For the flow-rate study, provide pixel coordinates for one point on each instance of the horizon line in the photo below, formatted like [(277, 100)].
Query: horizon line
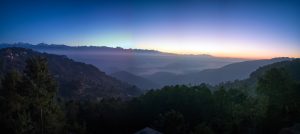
[(161, 51)]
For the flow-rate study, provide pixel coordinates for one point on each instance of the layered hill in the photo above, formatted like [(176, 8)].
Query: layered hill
[(134, 80), (76, 80), (231, 72), (292, 67)]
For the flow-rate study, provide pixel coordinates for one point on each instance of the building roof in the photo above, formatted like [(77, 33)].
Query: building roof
[(147, 130)]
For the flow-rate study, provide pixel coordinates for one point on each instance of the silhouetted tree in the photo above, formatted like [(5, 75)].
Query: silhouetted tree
[(40, 91), (14, 118)]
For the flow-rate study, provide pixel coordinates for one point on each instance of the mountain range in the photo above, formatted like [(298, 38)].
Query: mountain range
[(150, 69), (135, 61)]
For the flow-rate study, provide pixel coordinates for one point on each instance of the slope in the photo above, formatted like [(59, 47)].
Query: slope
[(134, 80), (76, 80)]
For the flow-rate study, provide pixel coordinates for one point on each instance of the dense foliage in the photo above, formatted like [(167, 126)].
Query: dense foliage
[(28, 104)]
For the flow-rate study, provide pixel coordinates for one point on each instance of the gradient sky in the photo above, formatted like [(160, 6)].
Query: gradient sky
[(228, 28)]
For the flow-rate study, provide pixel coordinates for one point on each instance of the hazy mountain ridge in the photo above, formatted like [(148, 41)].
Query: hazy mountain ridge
[(291, 66), (76, 80), (231, 72), (135, 61), (53, 47)]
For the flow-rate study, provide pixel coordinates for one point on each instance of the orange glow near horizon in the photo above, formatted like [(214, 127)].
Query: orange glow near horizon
[(221, 46), (243, 55), (229, 54)]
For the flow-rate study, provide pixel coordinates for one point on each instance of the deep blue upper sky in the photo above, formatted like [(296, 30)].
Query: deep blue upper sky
[(219, 27)]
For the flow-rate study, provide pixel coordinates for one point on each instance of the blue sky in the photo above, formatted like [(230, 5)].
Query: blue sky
[(231, 28)]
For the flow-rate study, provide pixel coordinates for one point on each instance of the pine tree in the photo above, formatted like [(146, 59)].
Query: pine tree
[(40, 90), (14, 118)]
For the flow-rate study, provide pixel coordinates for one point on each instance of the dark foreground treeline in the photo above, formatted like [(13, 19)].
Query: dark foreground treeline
[(28, 104)]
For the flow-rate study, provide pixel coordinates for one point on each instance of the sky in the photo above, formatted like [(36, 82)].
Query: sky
[(225, 28)]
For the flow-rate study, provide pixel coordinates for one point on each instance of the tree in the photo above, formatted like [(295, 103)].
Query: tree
[(14, 118), (40, 90), (283, 96)]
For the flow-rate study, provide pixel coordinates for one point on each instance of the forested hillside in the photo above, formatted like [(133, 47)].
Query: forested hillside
[(76, 80), (29, 104)]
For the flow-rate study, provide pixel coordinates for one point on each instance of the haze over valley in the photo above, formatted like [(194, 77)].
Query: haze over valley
[(154, 69)]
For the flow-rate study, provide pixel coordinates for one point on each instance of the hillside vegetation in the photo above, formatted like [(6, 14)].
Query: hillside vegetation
[(29, 104)]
